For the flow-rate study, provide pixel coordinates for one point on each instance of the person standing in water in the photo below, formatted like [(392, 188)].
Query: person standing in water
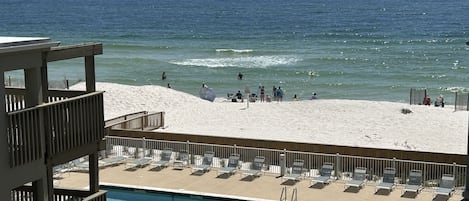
[(240, 76), (163, 76)]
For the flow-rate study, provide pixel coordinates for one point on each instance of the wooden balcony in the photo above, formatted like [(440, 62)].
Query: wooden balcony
[(57, 127), (25, 193)]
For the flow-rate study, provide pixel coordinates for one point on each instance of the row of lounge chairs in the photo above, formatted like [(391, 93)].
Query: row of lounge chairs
[(414, 184), (326, 173)]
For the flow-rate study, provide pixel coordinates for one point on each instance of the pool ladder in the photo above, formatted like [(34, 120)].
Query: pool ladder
[(283, 195)]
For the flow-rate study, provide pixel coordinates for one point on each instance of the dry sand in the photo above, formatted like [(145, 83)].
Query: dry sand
[(361, 123)]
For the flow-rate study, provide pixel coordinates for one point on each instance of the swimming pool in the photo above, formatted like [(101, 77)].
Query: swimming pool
[(123, 193)]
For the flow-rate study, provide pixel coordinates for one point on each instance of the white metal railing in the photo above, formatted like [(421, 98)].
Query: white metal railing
[(294, 195), (283, 194), (343, 164)]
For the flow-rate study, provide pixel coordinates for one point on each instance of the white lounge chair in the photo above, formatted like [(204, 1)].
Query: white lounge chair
[(80, 165), (296, 171), (446, 186), (139, 162), (182, 160), (231, 167), (256, 167), (358, 178), (388, 180), (206, 162), (111, 161), (165, 159), (415, 182), (325, 174)]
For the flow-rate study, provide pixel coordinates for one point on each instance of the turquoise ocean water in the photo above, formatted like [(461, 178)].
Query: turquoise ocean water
[(363, 49)]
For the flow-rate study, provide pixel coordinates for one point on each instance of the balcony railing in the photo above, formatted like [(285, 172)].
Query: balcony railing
[(14, 97), (25, 193), (67, 124)]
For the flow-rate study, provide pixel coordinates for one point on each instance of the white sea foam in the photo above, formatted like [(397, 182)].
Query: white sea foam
[(234, 50), (243, 62)]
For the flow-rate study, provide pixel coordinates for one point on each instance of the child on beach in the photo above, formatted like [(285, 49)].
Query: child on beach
[(427, 100)]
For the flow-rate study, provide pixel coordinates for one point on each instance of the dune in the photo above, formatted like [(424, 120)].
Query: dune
[(360, 123)]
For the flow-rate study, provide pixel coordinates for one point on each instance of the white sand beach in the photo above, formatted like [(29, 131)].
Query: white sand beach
[(340, 122)]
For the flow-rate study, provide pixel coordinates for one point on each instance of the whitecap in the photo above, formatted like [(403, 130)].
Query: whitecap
[(243, 62), (235, 50)]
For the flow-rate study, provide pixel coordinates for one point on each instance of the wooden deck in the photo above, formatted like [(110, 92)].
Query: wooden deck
[(264, 187)]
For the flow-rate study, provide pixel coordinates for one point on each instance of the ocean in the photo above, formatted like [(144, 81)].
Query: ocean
[(339, 49)]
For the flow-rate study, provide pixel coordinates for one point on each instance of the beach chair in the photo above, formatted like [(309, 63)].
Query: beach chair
[(296, 170), (358, 178), (166, 155), (325, 174), (387, 183), (182, 160), (256, 167), (415, 182), (111, 161), (206, 162), (78, 165), (139, 162), (446, 186), (231, 167)]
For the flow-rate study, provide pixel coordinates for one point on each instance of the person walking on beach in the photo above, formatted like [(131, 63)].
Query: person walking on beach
[(279, 94), (274, 92), (262, 93), (163, 76), (169, 85)]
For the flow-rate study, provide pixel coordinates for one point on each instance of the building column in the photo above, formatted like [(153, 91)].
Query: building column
[(5, 189), (90, 74), (93, 172), (41, 191), (33, 86), (44, 79)]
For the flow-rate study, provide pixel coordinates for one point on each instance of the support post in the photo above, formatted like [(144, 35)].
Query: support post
[(93, 172), (90, 74)]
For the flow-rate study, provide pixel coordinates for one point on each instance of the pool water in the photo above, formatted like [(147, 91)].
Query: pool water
[(131, 194)]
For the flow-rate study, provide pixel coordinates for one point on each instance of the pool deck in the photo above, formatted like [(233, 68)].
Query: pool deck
[(266, 186)]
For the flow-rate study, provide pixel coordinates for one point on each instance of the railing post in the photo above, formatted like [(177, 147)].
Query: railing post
[(234, 149), (283, 162), (337, 166), (144, 147), (191, 159), (394, 162)]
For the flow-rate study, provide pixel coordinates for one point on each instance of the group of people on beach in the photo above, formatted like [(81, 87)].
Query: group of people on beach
[(439, 102), (277, 92)]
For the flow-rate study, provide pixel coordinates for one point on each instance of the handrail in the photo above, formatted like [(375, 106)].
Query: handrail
[(283, 194), (22, 192), (145, 121), (294, 195), (45, 105), (343, 163), (98, 196), (123, 116)]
